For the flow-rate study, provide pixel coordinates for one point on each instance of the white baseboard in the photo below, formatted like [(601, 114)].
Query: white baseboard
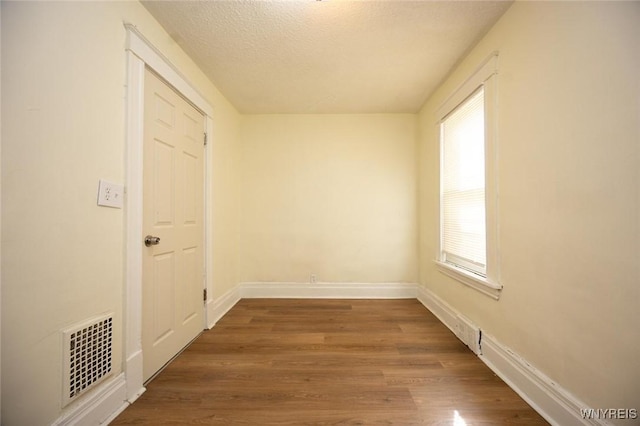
[(549, 399), (438, 307), (134, 376), (99, 407), (458, 324), (252, 290), (217, 308), (554, 403)]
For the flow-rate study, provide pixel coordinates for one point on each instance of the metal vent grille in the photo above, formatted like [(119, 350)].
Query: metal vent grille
[(87, 357)]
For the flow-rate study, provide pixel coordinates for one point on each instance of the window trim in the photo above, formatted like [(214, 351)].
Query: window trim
[(484, 75), (470, 279)]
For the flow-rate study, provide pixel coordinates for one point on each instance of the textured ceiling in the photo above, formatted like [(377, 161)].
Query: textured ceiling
[(326, 56)]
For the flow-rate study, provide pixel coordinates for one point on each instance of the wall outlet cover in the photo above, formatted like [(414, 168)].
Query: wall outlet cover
[(110, 194)]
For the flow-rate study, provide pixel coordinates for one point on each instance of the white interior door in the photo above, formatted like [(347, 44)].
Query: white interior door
[(173, 211)]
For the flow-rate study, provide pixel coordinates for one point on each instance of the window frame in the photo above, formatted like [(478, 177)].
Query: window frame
[(485, 76)]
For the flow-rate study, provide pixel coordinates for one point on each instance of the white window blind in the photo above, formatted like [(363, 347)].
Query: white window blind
[(463, 186)]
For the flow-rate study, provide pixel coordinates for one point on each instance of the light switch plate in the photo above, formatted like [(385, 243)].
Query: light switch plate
[(110, 194)]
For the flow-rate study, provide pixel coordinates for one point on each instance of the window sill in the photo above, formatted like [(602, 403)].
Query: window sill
[(474, 281)]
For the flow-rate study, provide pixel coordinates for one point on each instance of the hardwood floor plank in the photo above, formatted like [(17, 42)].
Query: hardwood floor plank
[(328, 362)]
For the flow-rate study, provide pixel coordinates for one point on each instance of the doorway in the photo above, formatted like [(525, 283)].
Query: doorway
[(141, 54), (173, 216)]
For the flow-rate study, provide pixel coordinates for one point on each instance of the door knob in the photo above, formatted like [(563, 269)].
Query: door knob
[(150, 240)]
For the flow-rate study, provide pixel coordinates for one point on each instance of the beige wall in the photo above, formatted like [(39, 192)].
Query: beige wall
[(63, 127), (330, 195), (568, 171)]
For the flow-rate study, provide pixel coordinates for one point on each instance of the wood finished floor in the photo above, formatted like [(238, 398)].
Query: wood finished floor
[(328, 362)]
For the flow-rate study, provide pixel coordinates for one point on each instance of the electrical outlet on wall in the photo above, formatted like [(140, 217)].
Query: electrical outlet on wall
[(110, 194), (312, 278)]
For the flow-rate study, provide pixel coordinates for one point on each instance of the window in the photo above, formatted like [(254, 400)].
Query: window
[(462, 192), (468, 249)]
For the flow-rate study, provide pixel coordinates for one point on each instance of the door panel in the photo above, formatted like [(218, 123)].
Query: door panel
[(173, 197), (193, 301), (163, 296), (163, 185), (189, 190)]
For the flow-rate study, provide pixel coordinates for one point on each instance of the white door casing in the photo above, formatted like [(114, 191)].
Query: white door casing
[(141, 54)]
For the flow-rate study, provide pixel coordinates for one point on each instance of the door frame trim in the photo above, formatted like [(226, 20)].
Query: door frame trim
[(141, 53)]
